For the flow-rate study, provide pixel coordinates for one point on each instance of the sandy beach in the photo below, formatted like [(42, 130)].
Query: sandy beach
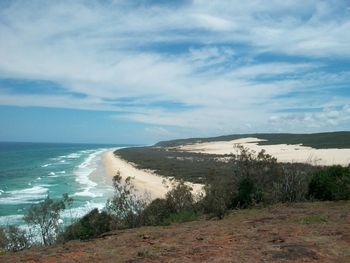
[(294, 153), (146, 182)]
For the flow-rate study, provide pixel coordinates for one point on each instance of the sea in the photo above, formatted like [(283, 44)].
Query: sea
[(29, 172)]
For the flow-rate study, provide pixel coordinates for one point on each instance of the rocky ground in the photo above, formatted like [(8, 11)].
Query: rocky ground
[(305, 232)]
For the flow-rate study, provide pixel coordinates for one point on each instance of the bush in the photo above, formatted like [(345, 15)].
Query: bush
[(252, 177), (3, 239), (247, 194), (332, 183), (218, 195), (155, 212), (180, 198), (89, 226), (314, 219), (291, 186), (12, 238), (184, 216), (177, 201)]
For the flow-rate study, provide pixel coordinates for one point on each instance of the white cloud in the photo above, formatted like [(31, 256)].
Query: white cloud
[(112, 51), (327, 119), (158, 131)]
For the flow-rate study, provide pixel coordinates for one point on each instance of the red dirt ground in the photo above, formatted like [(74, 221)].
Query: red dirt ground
[(305, 232)]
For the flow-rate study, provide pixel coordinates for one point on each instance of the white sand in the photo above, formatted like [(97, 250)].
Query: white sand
[(144, 181), (283, 152)]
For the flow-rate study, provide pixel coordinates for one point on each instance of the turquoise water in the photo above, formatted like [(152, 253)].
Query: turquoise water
[(31, 171)]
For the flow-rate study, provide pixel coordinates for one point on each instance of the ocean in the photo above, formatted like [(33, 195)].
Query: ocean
[(29, 172)]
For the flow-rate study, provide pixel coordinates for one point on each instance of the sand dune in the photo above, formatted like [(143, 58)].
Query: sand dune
[(145, 182), (283, 152)]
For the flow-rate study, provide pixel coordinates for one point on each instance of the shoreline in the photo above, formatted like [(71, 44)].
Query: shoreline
[(146, 183)]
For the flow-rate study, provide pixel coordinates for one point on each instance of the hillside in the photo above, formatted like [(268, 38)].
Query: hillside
[(339, 140), (303, 232)]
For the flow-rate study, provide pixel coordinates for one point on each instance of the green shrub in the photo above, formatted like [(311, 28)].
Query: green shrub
[(247, 193), (180, 198), (218, 195), (314, 219), (155, 212), (89, 226), (332, 183), (184, 216)]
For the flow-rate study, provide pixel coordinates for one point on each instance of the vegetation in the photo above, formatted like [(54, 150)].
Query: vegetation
[(332, 183), (290, 186), (178, 206), (192, 167), (12, 238), (314, 219), (45, 216), (89, 226), (315, 140), (184, 216), (126, 206)]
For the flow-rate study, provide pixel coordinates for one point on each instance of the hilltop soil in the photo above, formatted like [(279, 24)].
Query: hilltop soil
[(304, 232)]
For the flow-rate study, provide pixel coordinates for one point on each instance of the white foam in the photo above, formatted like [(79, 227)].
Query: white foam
[(11, 220), (78, 212), (83, 172), (87, 193), (24, 196), (33, 190), (51, 173), (73, 156), (46, 165)]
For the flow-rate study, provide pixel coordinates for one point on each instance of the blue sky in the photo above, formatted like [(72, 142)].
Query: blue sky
[(143, 71)]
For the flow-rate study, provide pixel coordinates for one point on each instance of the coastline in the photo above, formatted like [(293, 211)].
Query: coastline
[(146, 183)]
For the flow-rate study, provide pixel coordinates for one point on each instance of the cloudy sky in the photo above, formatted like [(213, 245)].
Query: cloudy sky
[(142, 71)]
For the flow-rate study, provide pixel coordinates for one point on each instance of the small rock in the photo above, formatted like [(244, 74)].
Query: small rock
[(278, 240), (146, 237)]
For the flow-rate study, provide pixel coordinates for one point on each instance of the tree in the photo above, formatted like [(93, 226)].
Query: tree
[(126, 206), (180, 198), (45, 215), (68, 202)]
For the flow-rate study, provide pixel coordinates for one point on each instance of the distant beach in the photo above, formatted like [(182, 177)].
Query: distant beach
[(146, 182)]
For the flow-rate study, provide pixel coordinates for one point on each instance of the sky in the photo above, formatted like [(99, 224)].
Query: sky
[(143, 71)]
